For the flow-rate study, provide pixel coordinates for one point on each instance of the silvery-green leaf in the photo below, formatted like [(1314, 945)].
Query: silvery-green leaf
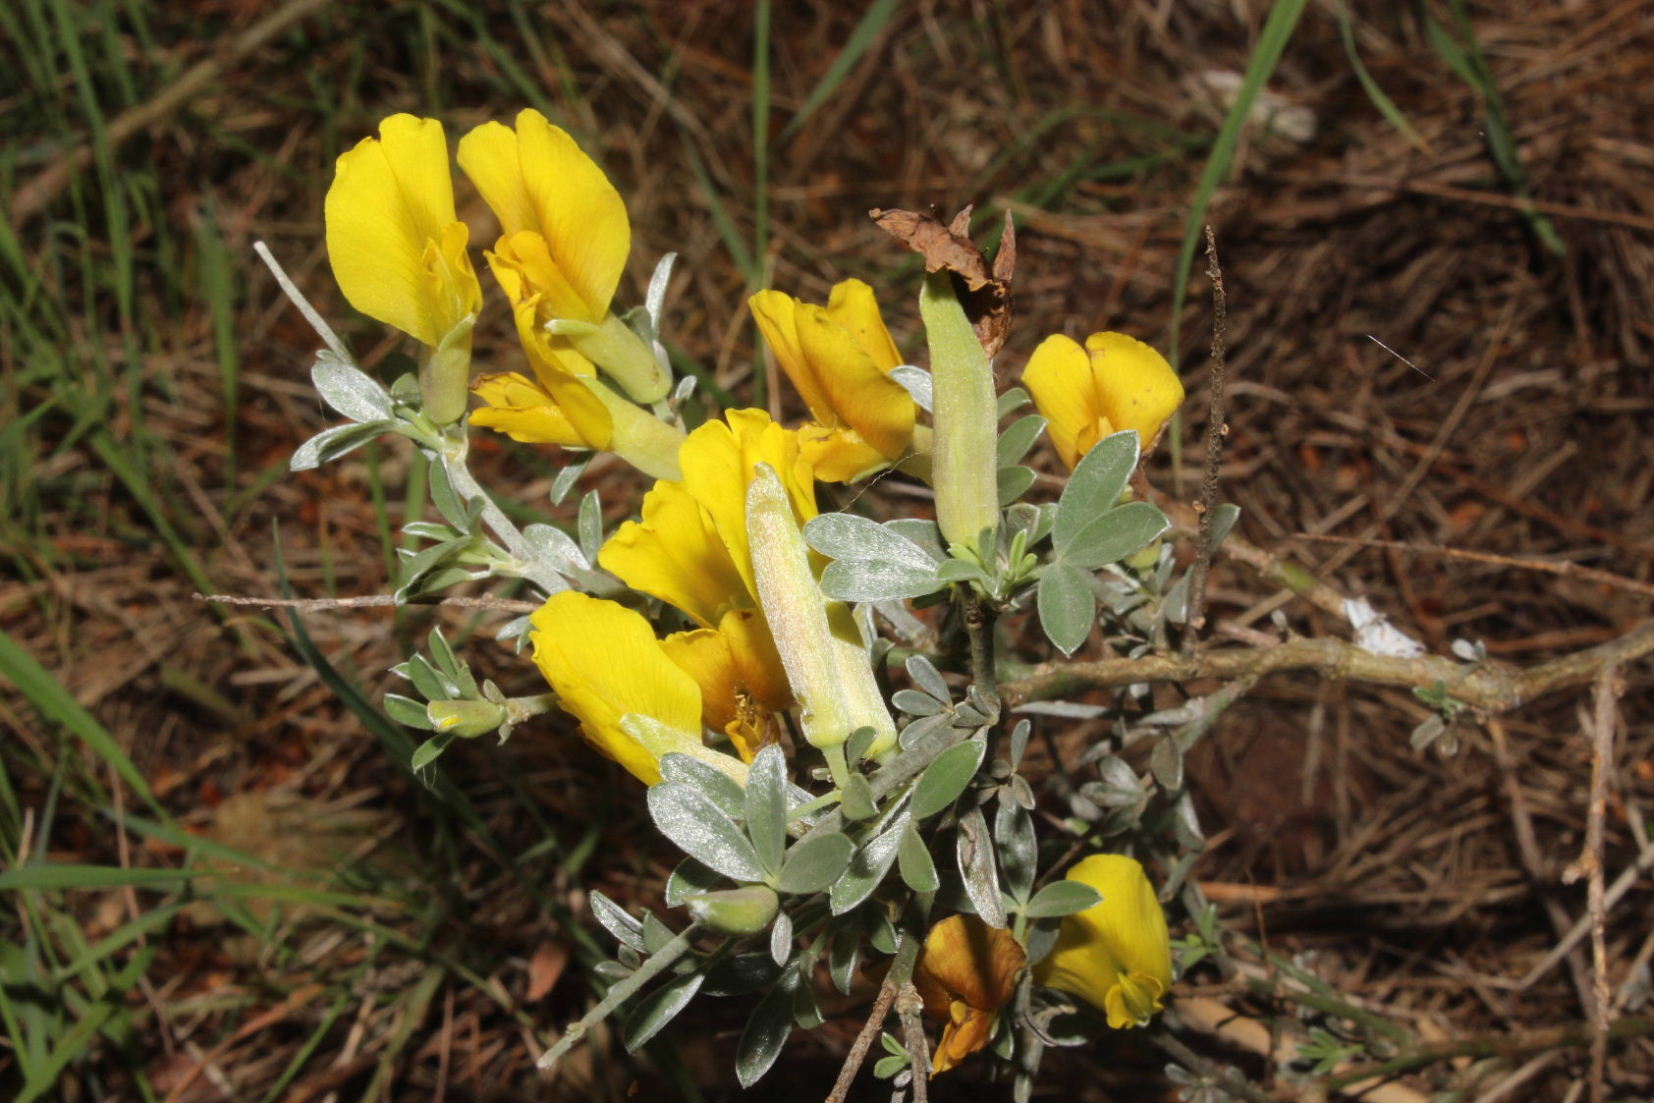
[(917, 382), (446, 501), (847, 536), (556, 548), (429, 751), (428, 680), (855, 748), (330, 444), (886, 1067), (658, 1008), (716, 785), (1095, 486), (1067, 607), (1015, 441), (654, 300), (945, 778), (656, 934), (703, 831), (349, 390), (430, 531), (924, 534), (975, 854), (1166, 763), (615, 920), (1186, 825), (1175, 605), (415, 567), (448, 663), (927, 677), (877, 580), (1062, 898), (1014, 838), (914, 703), (923, 727), (1019, 742), (567, 477), (1115, 535), (914, 862), (806, 1012), (590, 525), (405, 710), (1013, 483), (815, 863), (766, 1031), (781, 938), (690, 878), (843, 953), (1014, 399), (960, 570), (766, 807), (867, 869), (881, 933), (1223, 519)]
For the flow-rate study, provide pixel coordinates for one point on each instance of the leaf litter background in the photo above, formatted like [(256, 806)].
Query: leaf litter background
[(413, 943)]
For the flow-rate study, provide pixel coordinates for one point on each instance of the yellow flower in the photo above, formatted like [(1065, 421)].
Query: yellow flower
[(1113, 384), (676, 555), (839, 357), (398, 250), (719, 462), (608, 669), (743, 685), (968, 971), (565, 237), (1116, 955)]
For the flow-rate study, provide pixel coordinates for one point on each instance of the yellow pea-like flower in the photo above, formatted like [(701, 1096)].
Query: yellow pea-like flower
[(967, 972), (398, 250), (1115, 955), (743, 684), (1113, 384), (564, 237), (839, 357), (675, 554), (606, 665)]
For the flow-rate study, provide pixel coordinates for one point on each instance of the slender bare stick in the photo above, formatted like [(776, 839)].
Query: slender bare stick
[(1215, 429), (864, 1041), (908, 1005), (1589, 865), (369, 601)]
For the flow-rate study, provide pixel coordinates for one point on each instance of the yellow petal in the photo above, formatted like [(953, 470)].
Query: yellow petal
[(853, 306), (740, 675), (604, 662), (1116, 955), (718, 461), (523, 411), (858, 391), (674, 554), (1058, 376), (1136, 387), (838, 455), (838, 363), (527, 254), (396, 248), (537, 179)]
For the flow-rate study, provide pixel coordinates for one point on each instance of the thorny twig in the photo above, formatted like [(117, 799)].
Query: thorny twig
[(1215, 429)]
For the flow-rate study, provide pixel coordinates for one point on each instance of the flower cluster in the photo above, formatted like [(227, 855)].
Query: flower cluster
[(775, 650)]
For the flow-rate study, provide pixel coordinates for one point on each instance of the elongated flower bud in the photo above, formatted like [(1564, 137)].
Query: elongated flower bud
[(966, 413), (819, 643)]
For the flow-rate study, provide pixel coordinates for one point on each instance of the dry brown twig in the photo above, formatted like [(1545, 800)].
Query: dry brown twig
[(370, 601), (1215, 430)]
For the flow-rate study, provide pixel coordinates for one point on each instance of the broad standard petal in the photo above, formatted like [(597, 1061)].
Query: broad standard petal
[(396, 248), (1136, 387), (1116, 955), (1058, 376), (604, 662)]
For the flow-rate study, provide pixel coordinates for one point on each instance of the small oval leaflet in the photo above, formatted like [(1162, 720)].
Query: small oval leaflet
[(1062, 898), (944, 779)]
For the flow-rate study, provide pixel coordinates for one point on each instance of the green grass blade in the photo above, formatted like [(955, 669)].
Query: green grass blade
[(91, 1021), (60, 877), (866, 33), (1277, 32), (1386, 106), (58, 706)]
